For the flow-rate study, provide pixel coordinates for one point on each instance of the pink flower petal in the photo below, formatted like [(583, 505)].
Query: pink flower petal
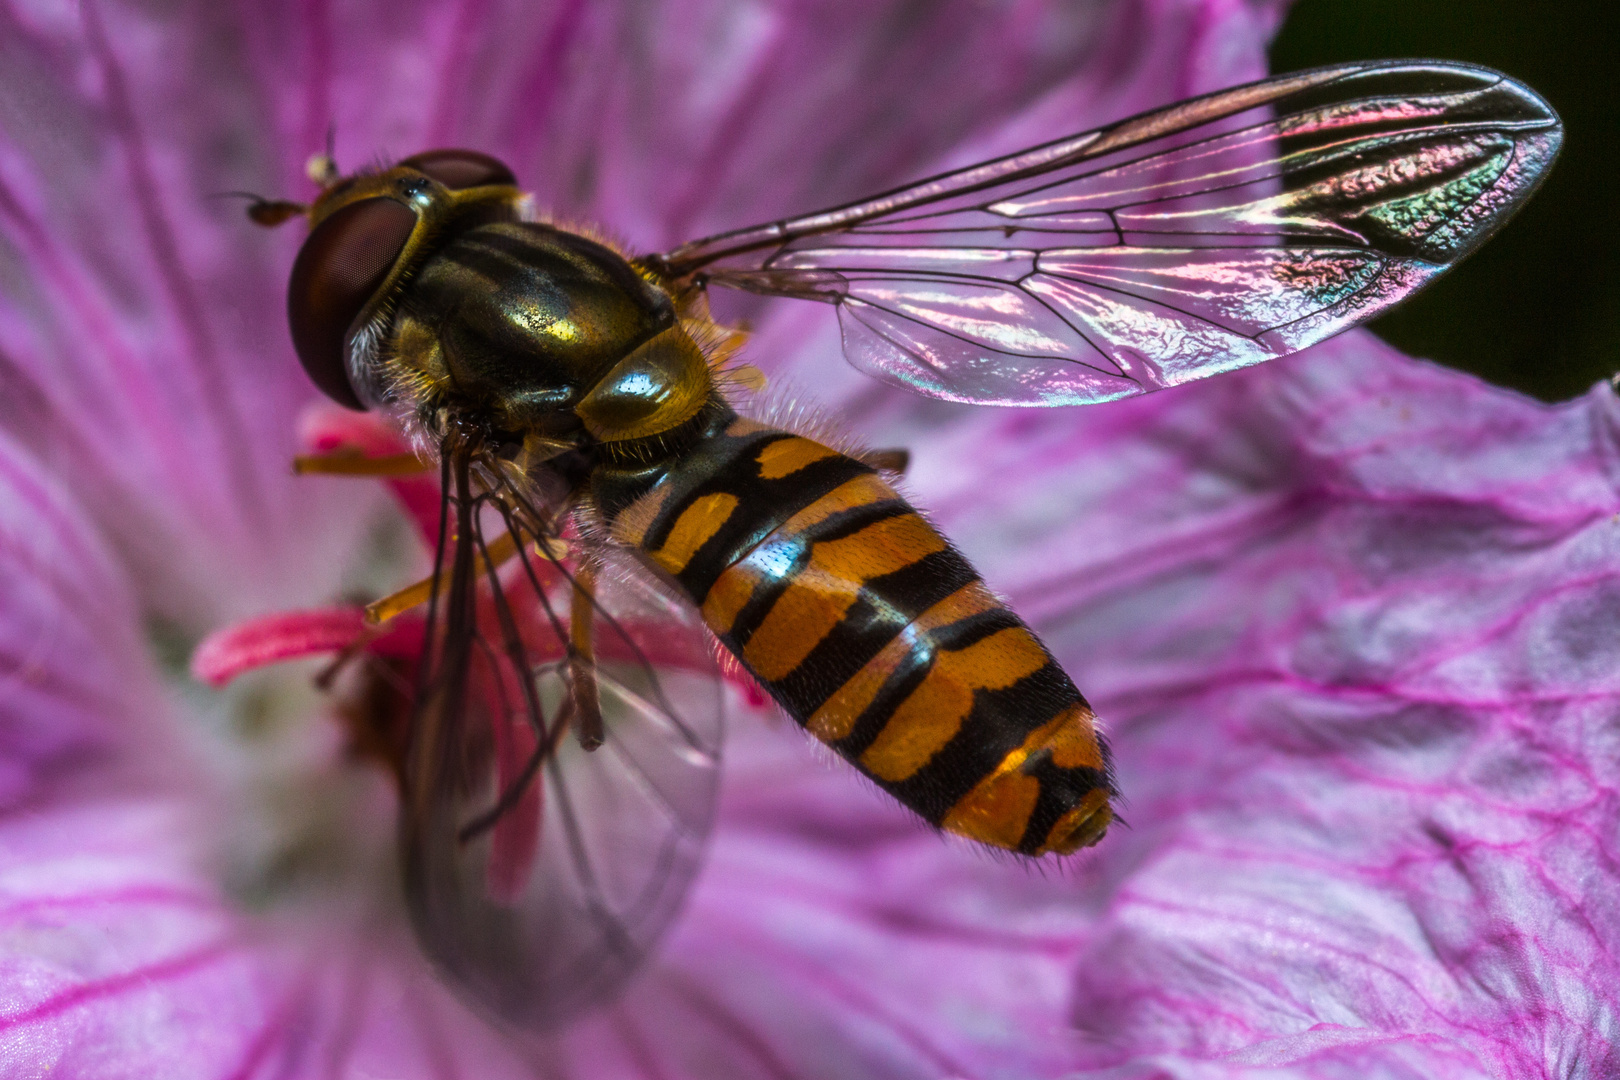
[(1348, 616), (71, 665)]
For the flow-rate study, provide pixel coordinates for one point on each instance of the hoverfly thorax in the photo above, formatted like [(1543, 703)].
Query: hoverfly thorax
[(542, 334), (422, 285)]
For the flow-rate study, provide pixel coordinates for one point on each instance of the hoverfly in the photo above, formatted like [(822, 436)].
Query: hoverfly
[(606, 513)]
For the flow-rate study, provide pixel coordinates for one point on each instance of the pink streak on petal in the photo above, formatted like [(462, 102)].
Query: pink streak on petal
[(126, 897), (268, 1037), (718, 153), (863, 1001), (734, 1028), (636, 1045), (230, 652), (126, 412), (201, 349), (74, 685), (140, 978), (124, 380), (546, 79), (453, 74)]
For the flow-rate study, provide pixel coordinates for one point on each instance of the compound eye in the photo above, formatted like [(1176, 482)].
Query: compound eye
[(338, 270), (461, 169)]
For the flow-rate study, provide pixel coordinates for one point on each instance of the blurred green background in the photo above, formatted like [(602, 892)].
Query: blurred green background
[(1538, 308)]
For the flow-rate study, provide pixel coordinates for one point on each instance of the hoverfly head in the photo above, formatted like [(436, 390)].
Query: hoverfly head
[(367, 231)]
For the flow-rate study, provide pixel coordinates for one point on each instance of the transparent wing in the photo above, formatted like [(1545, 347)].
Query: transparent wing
[(1210, 235), (539, 873)]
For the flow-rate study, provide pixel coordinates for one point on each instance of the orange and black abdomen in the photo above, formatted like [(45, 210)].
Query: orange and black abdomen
[(875, 634)]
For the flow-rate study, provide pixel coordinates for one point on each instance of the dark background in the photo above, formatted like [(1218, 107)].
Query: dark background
[(1537, 308)]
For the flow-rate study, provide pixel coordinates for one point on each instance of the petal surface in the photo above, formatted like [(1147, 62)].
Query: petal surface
[(1348, 620), (1348, 616)]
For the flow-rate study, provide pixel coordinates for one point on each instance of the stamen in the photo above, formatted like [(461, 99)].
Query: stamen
[(501, 549), (350, 462)]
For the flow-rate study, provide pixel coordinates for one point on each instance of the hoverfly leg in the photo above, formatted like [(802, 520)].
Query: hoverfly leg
[(893, 459), (582, 659)]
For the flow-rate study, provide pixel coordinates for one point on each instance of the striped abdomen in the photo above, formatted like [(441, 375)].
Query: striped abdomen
[(877, 636)]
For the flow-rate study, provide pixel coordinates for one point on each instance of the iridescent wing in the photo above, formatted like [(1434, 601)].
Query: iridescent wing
[(539, 873), (1209, 235)]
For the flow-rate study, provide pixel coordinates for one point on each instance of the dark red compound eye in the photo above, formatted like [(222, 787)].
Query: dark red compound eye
[(339, 269), (461, 169)]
